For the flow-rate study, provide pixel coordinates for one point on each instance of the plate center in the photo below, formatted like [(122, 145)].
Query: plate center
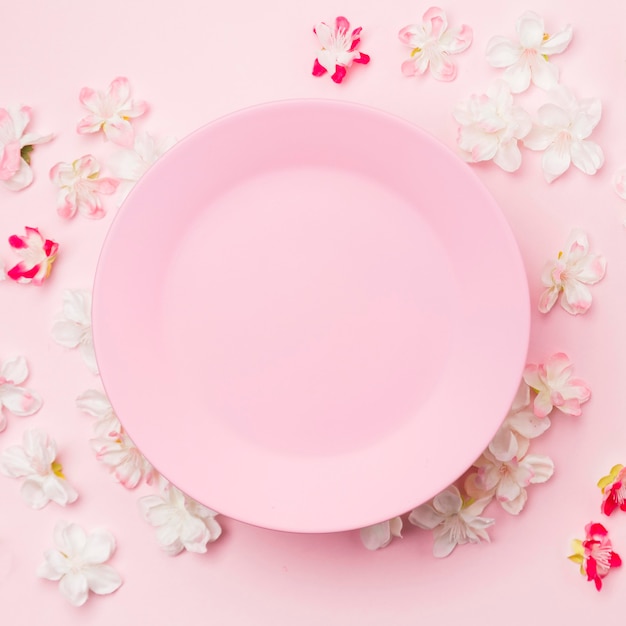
[(310, 309)]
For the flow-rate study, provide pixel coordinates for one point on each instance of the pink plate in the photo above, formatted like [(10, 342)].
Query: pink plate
[(310, 316)]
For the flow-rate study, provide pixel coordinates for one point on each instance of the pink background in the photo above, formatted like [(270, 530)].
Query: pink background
[(194, 62)]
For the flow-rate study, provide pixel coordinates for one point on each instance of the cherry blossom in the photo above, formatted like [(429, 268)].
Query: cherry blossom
[(14, 398), (595, 554), (130, 165), (491, 126), (121, 455), (562, 133), (507, 480), (613, 489), (111, 112), (80, 187), (619, 183), (519, 425), (79, 562), (452, 520), (35, 462), (570, 274), (181, 523), (339, 49), (96, 404), (528, 58), (38, 254), (432, 44), (380, 535), (75, 330), (555, 387), (16, 146)]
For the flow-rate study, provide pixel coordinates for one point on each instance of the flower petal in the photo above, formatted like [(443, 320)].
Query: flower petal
[(587, 156), (75, 588), (102, 579), (501, 52), (20, 401), (15, 370), (555, 161)]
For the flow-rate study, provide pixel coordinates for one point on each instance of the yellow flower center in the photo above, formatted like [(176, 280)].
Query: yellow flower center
[(57, 469), (415, 51)]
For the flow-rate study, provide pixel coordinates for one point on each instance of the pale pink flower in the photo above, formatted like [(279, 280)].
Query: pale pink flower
[(130, 165), (35, 462), (339, 49), (519, 425), (527, 59), (380, 535), (490, 127), (507, 480), (570, 274), (619, 183), (432, 43), (80, 187), (38, 255), (452, 520), (79, 563), (555, 386), (181, 523), (14, 398), (75, 330), (111, 112), (123, 458), (96, 404), (16, 146), (562, 134)]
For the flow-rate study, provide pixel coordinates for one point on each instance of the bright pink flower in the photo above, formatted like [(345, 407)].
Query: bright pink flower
[(432, 43), (111, 112), (339, 49), (37, 254), (555, 386), (613, 489), (80, 187), (15, 147), (595, 554)]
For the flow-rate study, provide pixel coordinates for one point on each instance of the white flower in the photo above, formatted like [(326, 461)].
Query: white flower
[(453, 521), (79, 563), (123, 458), (380, 535), (111, 112), (14, 398), (555, 386), (527, 59), (16, 146), (181, 523), (35, 462), (130, 165), (432, 43), (507, 480), (96, 404), (491, 126), (562, 133), (570, 274), (75, 330), (519, 425)]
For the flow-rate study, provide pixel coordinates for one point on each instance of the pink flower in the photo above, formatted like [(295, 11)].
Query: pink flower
[(570, 274), (111, 112), (16, 146), (339, 49), (490, 127), (123, 458), (613, 489), (595, 554), (562, 133), (527, 59), (80, 187), (38, 255), (507, 480), (432, 44), (555, 386)]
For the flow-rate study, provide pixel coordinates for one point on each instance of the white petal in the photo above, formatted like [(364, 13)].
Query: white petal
[(444, 544), (555, 162), (527, 424), (425, 517), (99, 547), (539, 138), (21, 179), (502, 52), (518, 76), (508, 156), (15, 463), (544, 74), (94, 403), (102, 579), (515, 507), (587, 156), (67, 333), (75, 588), (15, 370), (324, 34), (448, 502), (542, 467), (33, 494), (504, 444), (77, 306), (53, 567), (69, 538), (89, 355), (530, 28), (20, 401), (376, 536), (576, 297), (557, 43)]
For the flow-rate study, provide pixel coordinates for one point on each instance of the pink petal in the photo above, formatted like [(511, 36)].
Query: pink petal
[(457, 40), (408, 34), (89, 124), (342, 24), (21, 179), (548, 299), (441, 67), (576, 297), (340, 72), (318, 70), (119, 90), (438, 21), (362, 58), (120, 132)]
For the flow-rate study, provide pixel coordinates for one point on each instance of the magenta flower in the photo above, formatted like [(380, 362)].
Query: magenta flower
[(595, 554), (37, 254), (613, 489), (339, 49)]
